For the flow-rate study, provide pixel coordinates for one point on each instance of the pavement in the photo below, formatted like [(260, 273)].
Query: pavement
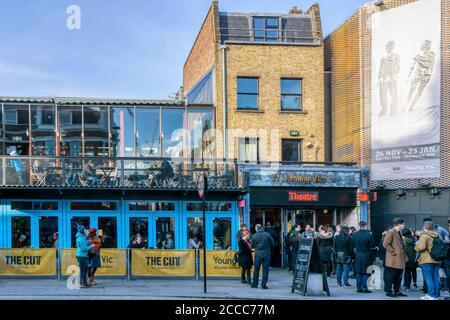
[(279, 284)]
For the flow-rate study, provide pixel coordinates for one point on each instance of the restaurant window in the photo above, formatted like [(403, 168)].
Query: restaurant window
[(173, 123), (108, 227), (210, 206), (201, 139), (107, 206), (151, 206), (248, 149), (139, 229), (265, 29), (17, 129), (222, 233), (165, 233), (195, 239), (70, 130), (147, 132), (291, 94), (122, 132), (291, 150), (48, 232), (21, 232), (247, 93), (43, 124), (96, 133), (34, 205)]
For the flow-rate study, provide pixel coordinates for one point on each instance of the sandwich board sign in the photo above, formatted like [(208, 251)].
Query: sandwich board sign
[(307, 261)]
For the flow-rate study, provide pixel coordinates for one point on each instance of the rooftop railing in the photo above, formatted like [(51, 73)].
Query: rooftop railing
[(99, 172)]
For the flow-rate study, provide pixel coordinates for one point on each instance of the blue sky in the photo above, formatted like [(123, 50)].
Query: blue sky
[(125, 48)]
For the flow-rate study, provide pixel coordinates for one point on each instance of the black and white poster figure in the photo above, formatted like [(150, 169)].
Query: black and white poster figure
[(387, 80), (420, 74)]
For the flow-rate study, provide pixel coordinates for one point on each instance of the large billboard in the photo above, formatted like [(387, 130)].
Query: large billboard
[(406, 73)]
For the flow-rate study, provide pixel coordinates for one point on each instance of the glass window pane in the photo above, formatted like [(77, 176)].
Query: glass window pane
[(290, 86), (48, 232), (151, 206), (138, 232), (291, 150), (17, 129), (260, 34), (108, 227), (272, 34), (74, 223), (222, 233), (210, 206), (43, 124), (272, 22), (247, 149), (259, 23), (93, 205), (96, 131), (200, 138), (290, 102), (122, 132), (247, 101), (36, 205), (173, 123), (21, 232), (147, 132), (165, 233), (247, 85), (195, 233), (70, 130)]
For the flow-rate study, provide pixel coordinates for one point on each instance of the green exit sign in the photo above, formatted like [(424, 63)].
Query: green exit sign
[(294, 133)]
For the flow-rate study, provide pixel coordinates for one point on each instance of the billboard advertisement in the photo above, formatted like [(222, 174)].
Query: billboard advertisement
[(406, 73)]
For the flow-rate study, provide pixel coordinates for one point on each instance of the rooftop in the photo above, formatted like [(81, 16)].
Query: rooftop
[(92, 101)]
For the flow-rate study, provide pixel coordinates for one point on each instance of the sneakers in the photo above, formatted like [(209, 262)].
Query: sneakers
[(427, 297), (92, 282), (399, 294)]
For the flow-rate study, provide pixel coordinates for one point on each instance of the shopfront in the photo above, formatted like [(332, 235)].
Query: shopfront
[(287, 195)]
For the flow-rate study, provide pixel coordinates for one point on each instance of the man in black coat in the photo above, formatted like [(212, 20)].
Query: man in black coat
[(363, 244), (263, 243)]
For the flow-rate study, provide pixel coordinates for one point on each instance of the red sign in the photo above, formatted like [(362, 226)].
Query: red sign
[(303, 196), (363, 196), (242, 203)]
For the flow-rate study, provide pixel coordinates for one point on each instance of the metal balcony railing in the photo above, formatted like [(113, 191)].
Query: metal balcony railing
[(102, 172)]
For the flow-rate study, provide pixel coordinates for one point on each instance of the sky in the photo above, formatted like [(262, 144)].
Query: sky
[(122, 48)]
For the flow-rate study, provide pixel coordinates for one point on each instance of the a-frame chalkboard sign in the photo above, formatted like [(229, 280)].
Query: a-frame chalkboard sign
[(308, 260)]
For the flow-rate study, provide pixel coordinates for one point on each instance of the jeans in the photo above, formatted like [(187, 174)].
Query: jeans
[(361, 281), (83, 263), (447, 273), (339, 267), (392, 276), (265, 262), (430, 273), (410, 276)]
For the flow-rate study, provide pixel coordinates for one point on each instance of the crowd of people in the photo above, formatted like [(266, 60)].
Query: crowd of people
[(344, 249)]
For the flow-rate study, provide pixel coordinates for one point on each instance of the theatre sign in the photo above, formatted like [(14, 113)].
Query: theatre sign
[(308, 177)]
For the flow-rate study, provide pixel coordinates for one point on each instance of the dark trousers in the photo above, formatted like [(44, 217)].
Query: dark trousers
[(361, 281), (410, 276), (265, 262), (293, 260), (245, 272), (83, 264), (91, 272), (392, 277)]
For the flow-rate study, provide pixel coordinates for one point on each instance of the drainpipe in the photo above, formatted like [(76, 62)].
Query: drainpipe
[(223, 47)]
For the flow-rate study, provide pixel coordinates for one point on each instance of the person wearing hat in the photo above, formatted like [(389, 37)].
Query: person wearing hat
[(362, 243), (245, 256), (83, 248), (93, 255)]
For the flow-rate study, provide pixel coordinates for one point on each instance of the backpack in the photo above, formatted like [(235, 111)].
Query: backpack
[(439, 250)]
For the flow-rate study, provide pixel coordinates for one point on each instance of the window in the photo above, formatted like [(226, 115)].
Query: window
[(43, 139), (265, 29), (173, 121), (200, 138), (291, 150), (95, 131), (210, 206), (17, 130), (222, 233), (21, 232), (291, 94), (147, 132), (151, 206), (247, 93), (195, 233), (108, 225), (93, 206), (139, 231), (34, 205), (48, 232), (70, 129), (248, 149), (165, 233), (122, 132)]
